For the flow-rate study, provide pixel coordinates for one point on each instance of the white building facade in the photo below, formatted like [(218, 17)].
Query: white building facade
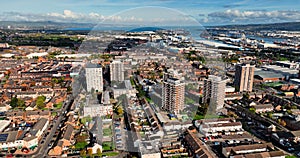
[(117, 71), (94, 77)]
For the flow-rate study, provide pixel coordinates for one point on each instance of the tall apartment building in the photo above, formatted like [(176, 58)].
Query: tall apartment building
[(244, 74), (173, 95), (116, 71), (94, 77), (214, 92)]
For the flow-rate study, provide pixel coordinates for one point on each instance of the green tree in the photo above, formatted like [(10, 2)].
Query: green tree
[(69, 89), (21, 103), (54, 80), (82, 153), (252, 110), (294, 107), (81, 145), (270, 115), (60, 80), (14, 102), (99, 152), (246, 95), (40, 102), (120, 110)]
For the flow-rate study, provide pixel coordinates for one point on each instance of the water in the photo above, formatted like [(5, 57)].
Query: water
[(195, 31)]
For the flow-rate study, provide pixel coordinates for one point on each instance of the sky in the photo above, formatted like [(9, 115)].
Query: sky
[(205, 12)]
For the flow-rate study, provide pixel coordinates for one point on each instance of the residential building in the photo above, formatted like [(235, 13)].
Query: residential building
[(244, 75), (195, 146), (95, 148), (124, 88), (117, 71), (247, 149), (4, 124), (173, 95), (93, 108), (214, 92), (94, 77), (213, 127)]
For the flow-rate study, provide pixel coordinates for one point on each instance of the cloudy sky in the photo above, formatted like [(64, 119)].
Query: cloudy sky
[(213, 12)]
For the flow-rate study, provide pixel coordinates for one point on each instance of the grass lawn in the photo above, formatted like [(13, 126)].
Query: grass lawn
[(107, 132), (58, 106), (107, 146), (53, 113), (272, 84), (111, 154)]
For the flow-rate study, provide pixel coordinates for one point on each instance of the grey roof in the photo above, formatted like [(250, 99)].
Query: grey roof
[(8, 136), (268, 74), (90, 65), (40, 124), (29, 138), (68, 132)]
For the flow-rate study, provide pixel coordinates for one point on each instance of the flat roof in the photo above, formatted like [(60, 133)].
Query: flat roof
[(90, 65), (268, 74)]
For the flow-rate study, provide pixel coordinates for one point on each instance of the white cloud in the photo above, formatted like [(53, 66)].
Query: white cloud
[(139, 16), (259, 16), (66, 16)]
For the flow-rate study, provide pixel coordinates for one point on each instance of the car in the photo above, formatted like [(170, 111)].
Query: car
[(298, 154), (291, 149), (104, 156), (119, 147), (42, 142), (216, 143)]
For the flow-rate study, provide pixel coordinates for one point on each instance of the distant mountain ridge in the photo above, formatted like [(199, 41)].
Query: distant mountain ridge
[(48, 25), (42, 25)]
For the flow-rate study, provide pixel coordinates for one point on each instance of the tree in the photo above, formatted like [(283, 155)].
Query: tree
[(246, 95), (82, 153), (120, 110), (270, 115), (90, 152), (21, 103), (69, 89), (99, 152), (252, 110), (294, 107), (55, 80), (283, 123), (81, 145), (14, 102), (40, 102), (60, 80)]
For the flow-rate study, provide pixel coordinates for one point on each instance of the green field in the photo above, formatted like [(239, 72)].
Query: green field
[(107, 146), (107, 132), (272, 84)]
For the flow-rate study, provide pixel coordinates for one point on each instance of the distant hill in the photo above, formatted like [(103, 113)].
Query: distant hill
[(50, 25), (287, 26), (47, 25)]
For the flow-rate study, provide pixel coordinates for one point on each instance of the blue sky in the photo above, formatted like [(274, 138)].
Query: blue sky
[(216, 12)]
